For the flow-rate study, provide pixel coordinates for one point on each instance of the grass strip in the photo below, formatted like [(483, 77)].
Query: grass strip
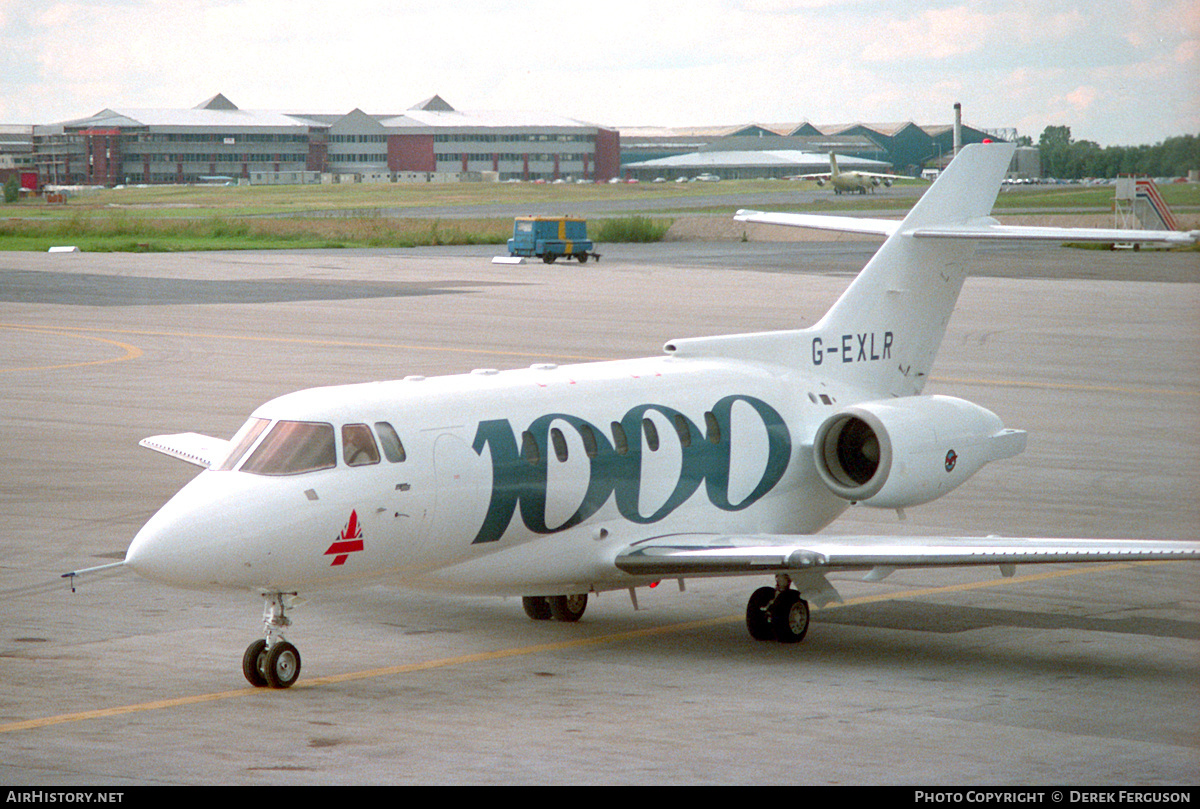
[(116, 232)]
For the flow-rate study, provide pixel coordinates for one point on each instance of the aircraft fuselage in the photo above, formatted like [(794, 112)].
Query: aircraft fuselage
[(573, 462), (853, 182)]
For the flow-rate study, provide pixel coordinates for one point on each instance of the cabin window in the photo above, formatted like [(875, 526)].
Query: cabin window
[(651, 434), (590, 446), (242, 440), (681, 427), (712, 428), (292, 448), (358, 445), (393, 449), (560, 444), (529, 449), (620, 442)]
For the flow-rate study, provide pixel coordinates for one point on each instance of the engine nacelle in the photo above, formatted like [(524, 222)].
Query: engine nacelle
[(893, 453)]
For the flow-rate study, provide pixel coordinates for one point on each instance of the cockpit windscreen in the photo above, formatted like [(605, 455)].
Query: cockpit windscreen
[(294, 447)]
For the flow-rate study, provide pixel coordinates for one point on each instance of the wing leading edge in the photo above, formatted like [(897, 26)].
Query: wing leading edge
[(699, 555)]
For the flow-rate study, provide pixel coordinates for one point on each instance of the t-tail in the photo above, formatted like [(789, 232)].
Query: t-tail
[(882, 335), (884, 332)]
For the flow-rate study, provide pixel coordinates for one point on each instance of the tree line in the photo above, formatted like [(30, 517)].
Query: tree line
[(1068, 159)]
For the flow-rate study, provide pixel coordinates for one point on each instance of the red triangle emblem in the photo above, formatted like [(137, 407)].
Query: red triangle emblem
[(348, 542)]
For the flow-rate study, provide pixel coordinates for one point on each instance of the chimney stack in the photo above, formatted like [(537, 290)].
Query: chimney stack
[(957, 127)]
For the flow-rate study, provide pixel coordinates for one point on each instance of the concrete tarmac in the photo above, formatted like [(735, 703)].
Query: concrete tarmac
[(1060, 675)]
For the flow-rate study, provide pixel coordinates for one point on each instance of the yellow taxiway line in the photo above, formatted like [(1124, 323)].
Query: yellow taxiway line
[(519, 651), (131, 352)]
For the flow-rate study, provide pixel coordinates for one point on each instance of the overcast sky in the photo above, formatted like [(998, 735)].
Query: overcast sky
[(1119, 72)]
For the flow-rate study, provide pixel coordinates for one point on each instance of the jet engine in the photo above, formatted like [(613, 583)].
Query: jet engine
[(887, 181), (893, 453)]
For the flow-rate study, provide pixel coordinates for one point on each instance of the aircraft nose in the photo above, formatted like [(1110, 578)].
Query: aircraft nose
[(201, 538), (166, 548)]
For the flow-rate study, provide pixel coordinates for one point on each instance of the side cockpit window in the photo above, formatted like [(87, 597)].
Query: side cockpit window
[(358, 445), (393, 449), (242, 440), (294, 447)]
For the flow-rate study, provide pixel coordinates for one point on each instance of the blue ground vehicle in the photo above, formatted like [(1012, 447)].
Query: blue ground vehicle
[(549, 237)]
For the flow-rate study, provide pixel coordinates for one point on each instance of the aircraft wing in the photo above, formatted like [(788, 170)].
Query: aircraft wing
[(885, 176), (201, 450), (844, 224), (699, 555)]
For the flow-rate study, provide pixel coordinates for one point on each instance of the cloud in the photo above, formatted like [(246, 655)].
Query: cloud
[(625, 63), (1082, 98)]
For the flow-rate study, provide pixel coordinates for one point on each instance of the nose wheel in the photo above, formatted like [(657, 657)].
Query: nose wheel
[(272, 661)]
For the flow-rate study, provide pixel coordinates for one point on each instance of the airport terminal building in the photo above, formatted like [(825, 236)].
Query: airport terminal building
[(216, 141)]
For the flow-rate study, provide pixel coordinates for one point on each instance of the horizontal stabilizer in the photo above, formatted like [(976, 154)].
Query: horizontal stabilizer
[(992, 230), (985, 229), (201, 450), (844, 224)]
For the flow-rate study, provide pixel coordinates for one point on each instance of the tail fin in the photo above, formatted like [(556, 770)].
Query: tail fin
[(884, 332), (833, 167), (881, 336)]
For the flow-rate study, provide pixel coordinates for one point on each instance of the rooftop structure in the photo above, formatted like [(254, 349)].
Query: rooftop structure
[(903, 145)]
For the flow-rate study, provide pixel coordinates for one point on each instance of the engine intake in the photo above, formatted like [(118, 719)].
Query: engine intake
[(893, 453)]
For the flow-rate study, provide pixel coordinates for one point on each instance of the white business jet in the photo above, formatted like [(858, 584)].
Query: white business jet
[(722, 457)]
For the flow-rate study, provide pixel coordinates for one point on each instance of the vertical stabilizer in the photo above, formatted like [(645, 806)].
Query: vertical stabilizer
[(883, 333), (881, 336)]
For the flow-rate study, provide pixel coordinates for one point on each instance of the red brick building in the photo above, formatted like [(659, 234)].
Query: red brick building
[(217, 141)]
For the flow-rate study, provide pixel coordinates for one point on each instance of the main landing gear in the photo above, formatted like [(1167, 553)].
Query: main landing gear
[(560, 608), (777, 613), (273, 661)]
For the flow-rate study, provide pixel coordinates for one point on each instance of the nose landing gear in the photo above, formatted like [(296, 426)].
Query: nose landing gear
[(273, 661)]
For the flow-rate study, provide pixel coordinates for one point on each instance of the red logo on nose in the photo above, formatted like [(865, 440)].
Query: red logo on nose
[(348, 542)]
